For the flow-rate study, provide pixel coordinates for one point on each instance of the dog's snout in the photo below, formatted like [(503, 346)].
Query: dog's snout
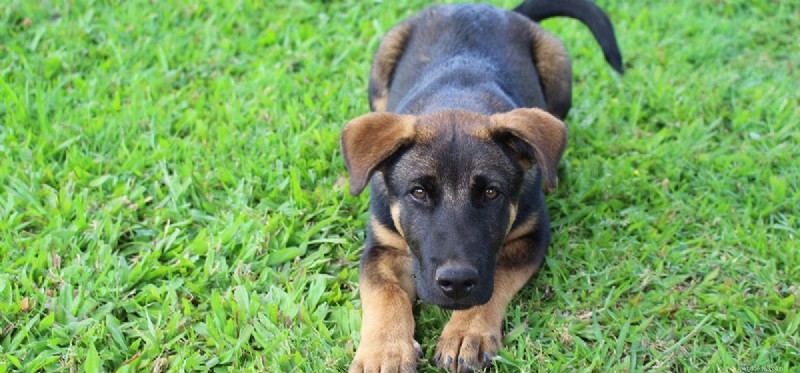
[(456, 282)]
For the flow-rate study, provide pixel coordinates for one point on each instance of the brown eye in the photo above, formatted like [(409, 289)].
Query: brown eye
[(419, 194), (491, 193)]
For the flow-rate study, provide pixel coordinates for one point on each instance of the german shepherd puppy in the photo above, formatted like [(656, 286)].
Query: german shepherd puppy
[(465, 134)]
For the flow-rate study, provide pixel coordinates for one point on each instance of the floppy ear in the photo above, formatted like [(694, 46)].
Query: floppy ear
[(369, 139), (543, 133)]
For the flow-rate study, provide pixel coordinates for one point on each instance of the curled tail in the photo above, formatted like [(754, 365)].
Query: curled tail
[(585, 11)]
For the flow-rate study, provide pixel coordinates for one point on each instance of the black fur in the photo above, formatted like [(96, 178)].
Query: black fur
[(585, 11)]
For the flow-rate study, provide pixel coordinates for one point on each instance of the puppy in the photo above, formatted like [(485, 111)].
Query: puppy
[(465, 134)]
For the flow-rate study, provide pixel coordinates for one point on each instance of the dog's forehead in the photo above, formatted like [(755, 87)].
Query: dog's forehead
[(452, 123), (454, 145)]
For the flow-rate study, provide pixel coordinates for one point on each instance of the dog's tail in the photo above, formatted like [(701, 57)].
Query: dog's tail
[(585, 11)]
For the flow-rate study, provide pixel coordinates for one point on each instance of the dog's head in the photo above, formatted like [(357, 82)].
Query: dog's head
[(453, 180)]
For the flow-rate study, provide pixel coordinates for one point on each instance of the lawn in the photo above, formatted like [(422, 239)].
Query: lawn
[(173, 198)]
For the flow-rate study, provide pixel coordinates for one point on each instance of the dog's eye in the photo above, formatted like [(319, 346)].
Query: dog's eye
[(419, 194), (491, 193)]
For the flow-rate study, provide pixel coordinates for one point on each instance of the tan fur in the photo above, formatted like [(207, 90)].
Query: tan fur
[(385, 236), (523, 228), (425, 134), (465, 121), (389, 51), (512, 216), (546, 134), (481, 133), (379, 103), (485, 133), (394, 209), (387, 332), (369, 139), (399, 268), (471, 333), (552, 62)]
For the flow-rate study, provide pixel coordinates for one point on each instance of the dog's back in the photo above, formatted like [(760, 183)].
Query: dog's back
[(446, 57), (449, 62)]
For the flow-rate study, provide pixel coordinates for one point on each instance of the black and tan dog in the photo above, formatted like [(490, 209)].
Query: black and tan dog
[(466, 132)]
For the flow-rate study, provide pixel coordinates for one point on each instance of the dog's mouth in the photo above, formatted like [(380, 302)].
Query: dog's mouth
[(456, 306), (453, 305)]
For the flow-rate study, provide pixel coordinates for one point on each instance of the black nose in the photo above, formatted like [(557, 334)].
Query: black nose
[(456, 282)]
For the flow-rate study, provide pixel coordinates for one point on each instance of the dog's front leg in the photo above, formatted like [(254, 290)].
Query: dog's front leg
[(472, 337), (387, 324)]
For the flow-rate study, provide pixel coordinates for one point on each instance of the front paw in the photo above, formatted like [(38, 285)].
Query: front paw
[(386, 356), (465, 350)]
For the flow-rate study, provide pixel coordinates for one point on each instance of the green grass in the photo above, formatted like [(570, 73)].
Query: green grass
[(172, 196)]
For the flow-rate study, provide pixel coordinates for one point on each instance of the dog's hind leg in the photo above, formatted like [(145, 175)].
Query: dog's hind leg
[(555, 71), (384, 63)]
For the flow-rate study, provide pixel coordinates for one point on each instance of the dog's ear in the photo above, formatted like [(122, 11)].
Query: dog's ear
[(369, 139), (543, 139)]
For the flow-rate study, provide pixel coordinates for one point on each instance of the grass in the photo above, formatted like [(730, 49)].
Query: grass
[(172, 196)]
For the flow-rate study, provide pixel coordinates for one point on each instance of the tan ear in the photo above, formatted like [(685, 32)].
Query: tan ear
[(544, 133), (369, 139)]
